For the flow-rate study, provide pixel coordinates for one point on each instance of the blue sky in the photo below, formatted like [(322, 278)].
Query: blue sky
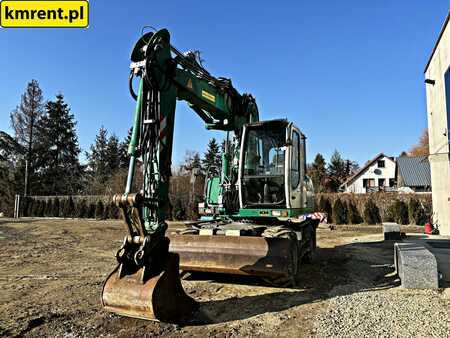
[(348, 73)]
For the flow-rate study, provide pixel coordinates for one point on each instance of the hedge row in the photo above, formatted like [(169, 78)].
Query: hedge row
[(348, 209), (68, 208)]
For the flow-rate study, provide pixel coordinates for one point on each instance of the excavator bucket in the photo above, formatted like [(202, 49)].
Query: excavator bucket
[(239, 255), (159, 297)]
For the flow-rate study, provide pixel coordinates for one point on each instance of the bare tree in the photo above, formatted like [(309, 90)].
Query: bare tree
[(23, 121), (421, 148)]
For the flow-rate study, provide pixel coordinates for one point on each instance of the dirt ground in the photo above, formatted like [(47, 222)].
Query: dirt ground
[(51, 275)]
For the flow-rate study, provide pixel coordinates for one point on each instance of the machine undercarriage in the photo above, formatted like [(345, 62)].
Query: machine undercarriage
[(272, 252)]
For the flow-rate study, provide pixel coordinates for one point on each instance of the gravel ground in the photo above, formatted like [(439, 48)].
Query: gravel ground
[(392, 312), (52, 272)]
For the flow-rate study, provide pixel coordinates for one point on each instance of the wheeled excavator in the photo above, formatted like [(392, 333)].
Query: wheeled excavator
[(254, 214)]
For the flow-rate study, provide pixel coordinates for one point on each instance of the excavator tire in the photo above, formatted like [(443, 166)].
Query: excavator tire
[(290, 279)]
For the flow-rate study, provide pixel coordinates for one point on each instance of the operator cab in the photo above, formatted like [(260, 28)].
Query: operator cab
[(273, 168)]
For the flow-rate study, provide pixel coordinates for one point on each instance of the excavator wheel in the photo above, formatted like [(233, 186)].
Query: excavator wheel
[(291, 279), (308, 255)]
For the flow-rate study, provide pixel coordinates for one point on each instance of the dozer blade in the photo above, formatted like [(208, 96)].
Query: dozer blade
[(158, 298), (240, 255)]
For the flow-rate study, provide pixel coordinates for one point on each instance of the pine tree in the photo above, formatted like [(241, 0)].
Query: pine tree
[(124, 158), (351, 167), (318, 173), (192, 161), (10, 160), (212, 160), (97, 156), (23, 121), (58, 149), (336, 172), (105, 157), (113, 154)]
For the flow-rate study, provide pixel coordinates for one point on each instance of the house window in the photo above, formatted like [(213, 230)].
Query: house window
[(392, 182), (368, 182), (447, 98), (381, 164), (381, 182)]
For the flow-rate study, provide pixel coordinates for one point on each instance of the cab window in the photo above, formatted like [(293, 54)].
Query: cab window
[(295, 160)]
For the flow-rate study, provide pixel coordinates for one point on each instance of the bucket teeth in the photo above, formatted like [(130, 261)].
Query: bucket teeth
[(160, 297)]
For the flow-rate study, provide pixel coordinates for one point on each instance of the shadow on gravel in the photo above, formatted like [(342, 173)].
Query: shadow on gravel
[(342, 270), (231, 309)]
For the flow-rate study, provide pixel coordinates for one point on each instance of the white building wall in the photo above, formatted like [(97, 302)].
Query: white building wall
[(438, 133), (373, 172)]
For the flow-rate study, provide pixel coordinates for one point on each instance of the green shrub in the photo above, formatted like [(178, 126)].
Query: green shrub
[(107, 211), (115, 211), (91, 211), (416, 212), (24, 206), (82, 209), (371, 213), (49, 208), (69, 208), (99, 210), (30, 207), (325, 206), (401, 212), (55, 211), (389, 215), (35, 209), (112, 211), (42, 206), (179, 213), (354, 216), (339, 212), (62, 207)]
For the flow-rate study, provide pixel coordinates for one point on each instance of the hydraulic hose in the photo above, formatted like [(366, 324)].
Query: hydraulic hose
[(130, 85)]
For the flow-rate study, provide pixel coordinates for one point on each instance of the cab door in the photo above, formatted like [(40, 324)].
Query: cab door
[(296, 169)]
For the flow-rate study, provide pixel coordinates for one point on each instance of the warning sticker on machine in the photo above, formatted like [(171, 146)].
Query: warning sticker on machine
[(208, 96), (67, 13)]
